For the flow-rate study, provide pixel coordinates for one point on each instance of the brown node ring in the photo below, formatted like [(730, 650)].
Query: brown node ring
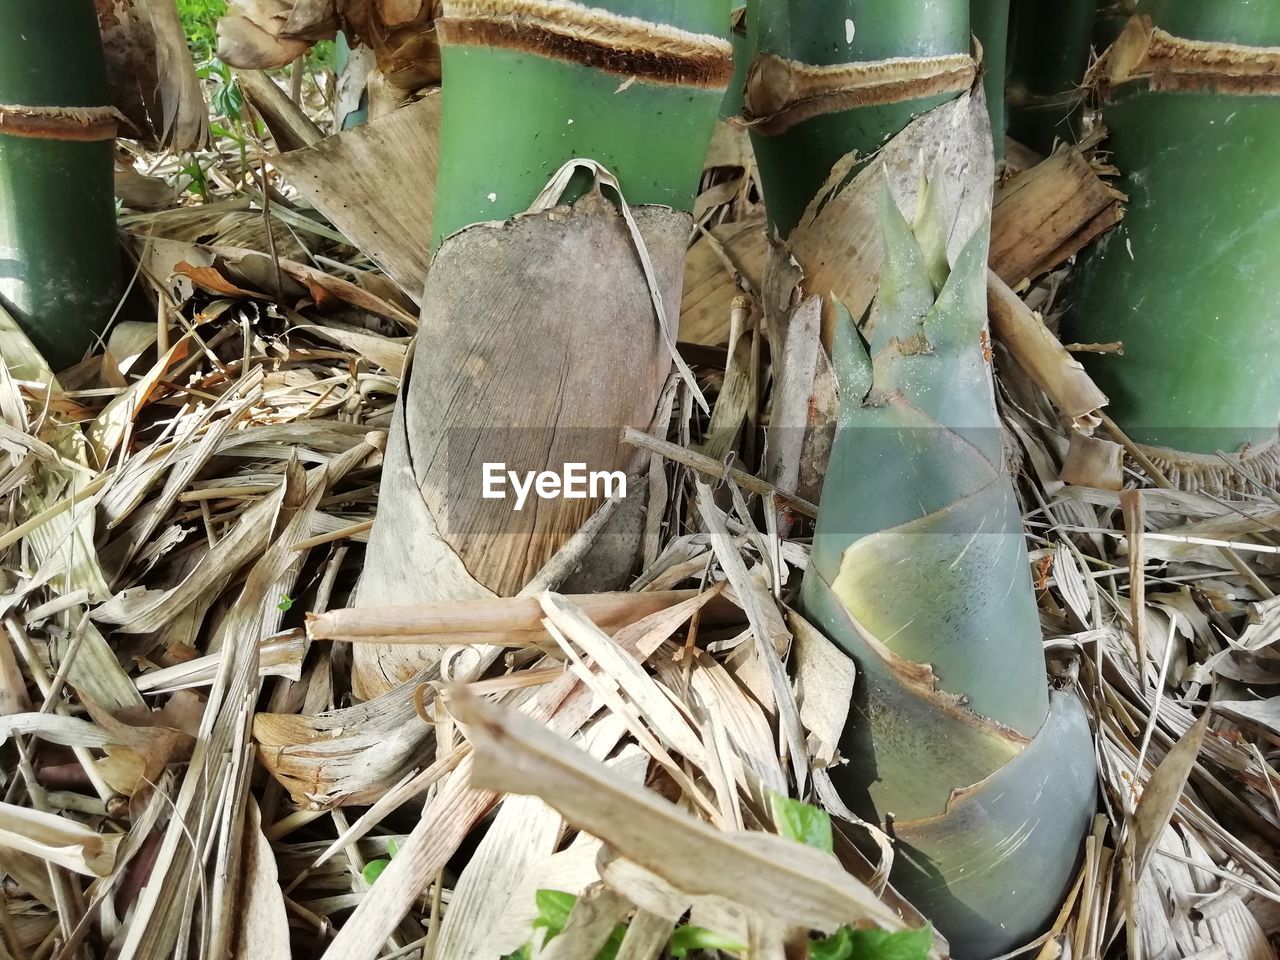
[(1144, 52), (1230, 476), (85, 124), (609, 42), (782, 93)]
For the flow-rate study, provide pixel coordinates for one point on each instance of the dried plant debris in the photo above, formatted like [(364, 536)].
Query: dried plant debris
[(151, 74), (188, 774), (265, 34)]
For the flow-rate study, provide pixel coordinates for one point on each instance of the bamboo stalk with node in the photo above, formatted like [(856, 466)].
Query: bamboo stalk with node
[(60, 270), (956, 743), (847, 80), (543, 333), (1188, 283)]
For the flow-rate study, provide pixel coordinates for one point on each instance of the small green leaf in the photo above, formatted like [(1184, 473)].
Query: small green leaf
[(322, 56), (802, 822), (218, 130), (285, 604), (554, 908), (373, 870), (393, 847), (838, 946), (882, 945), (227, 99), (687, 939)]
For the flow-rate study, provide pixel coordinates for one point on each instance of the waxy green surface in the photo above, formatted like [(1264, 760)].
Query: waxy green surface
[(920, 572), (1189, 281), (795, 164), (511, 119)]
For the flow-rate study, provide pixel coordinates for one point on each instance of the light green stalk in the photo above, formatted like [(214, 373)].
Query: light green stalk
[(920, 572), (512, 117)]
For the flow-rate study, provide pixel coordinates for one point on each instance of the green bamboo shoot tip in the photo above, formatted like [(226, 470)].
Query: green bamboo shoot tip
[(920, 572)]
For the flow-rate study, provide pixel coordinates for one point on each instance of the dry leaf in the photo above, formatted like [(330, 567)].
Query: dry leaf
[(775, 877), (57, 840), (1162, 792), (151, 72), (262, 928)]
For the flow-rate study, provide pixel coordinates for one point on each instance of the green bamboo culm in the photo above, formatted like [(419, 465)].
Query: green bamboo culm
[(990, 22), (834, 77), (546, 97), (1049, 51), (919, 571), (1189, 281), (60, 272)]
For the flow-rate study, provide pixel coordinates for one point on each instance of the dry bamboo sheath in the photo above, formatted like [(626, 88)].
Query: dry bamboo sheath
[(539, 340)]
